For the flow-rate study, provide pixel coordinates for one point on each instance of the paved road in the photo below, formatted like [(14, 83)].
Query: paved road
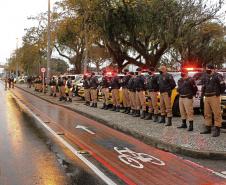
[(24, 157), (130, 160)]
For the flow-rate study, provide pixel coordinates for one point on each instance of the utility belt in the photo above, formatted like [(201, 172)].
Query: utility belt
[(210, 94), (93, 88), (152, 90), (132, 90), (186, 96), (139, 89)]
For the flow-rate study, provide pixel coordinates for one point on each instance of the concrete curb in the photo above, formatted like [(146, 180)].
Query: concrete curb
[(146, 139)]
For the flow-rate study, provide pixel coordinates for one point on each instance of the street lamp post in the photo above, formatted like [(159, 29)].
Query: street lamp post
[(17, 66), (48, 42)]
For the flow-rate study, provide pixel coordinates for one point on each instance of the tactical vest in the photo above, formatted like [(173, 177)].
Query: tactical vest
[(139, 83), (166, 83), (185, 88), (152, 84)]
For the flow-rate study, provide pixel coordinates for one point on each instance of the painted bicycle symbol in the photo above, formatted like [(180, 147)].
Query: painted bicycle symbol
[(135, 160)]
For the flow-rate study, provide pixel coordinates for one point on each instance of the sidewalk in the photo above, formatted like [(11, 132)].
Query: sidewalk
[(166, 138)]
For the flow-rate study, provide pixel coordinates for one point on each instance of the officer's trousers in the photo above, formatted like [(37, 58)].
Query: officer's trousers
[(153, 108), (125, 97), (165, 105), (93, 93), (115, 97), (62, 91), (212, 106), (53, 89), (141, 100), (132, 97), (186, 108), (105, 92), (87, 95)]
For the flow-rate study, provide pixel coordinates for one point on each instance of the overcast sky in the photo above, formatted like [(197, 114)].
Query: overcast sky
[(13, 19)]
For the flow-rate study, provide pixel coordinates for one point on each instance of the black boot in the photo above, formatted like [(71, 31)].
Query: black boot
[(95, 105), (92, 105), (114, 108), (117, 109), (137, 114), (148, 117), (162, 119), (124, 110), (155, 118), (207, 130), (190, 128), (216, 132), (131, 112), (183, 125), (128, 110), (104, 105), (169, 121), (143, 113)]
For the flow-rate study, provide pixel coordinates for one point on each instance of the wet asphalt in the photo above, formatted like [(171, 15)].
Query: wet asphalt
[(24, 157)]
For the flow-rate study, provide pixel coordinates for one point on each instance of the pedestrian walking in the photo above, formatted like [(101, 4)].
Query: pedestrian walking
[(93, 89), (213, 86), (86, 85), (166, 85), (139, 83), (152, 89), (186, 89), (125, 92)]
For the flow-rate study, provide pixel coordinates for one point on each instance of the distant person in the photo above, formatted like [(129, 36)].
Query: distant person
[(93, 89)]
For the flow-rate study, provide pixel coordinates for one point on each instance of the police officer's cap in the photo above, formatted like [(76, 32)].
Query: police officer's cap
[(138, 69), (210, 66), (126, 70)]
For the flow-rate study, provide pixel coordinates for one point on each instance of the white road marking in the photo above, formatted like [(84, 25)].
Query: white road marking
[(224, 172), (212, 171), (99, 173), (85, 128)]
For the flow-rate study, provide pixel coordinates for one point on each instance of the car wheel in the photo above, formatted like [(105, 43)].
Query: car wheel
[(176, 109)]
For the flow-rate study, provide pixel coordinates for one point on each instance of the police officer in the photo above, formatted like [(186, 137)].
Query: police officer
[(213, 85), (115, 86), (52, 85), (125, 92), (153, 88), (68, 90), (166, 85), (186, 89), (132, 94), (139, 83), (105, 83), (93, 89), (61, 85), (86, 85)]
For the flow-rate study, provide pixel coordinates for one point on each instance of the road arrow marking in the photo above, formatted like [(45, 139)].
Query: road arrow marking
[(85, 128)]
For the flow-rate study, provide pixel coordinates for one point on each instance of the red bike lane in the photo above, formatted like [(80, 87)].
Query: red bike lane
[(131, 160)]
